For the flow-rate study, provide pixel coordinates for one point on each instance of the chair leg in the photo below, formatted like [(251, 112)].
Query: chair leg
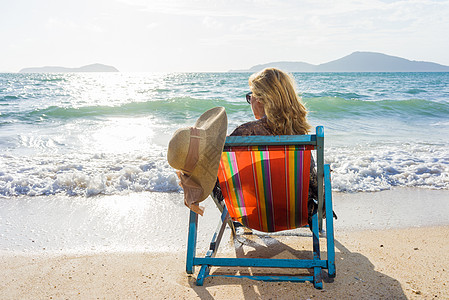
[(216, 238), (221, 207), (317, 280), (329, 223), (213, 247), (204, 272), (191, 243)]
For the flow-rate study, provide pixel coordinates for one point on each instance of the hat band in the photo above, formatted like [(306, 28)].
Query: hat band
[(192, 192), (193, 152)]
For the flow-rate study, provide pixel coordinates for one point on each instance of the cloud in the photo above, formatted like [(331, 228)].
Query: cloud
[(293, 15), (210, 22), (54, 23), (238, 31), (152, 26), (69, 25)]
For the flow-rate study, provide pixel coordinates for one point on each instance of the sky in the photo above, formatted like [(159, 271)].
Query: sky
[(215, 35)]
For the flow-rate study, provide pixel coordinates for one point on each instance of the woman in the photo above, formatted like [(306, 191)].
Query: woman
[(278, 111), (275, 105)]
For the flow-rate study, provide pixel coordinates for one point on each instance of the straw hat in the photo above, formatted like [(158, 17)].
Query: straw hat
[(196, 152)]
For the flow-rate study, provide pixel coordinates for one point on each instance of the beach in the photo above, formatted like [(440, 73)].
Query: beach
[(395, 251)]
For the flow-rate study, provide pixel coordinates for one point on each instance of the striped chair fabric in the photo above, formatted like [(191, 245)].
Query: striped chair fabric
[(266, 187)]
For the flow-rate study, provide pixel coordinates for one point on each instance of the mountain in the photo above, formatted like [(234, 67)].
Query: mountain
[(357, 62), (54, 69), (378, 62)]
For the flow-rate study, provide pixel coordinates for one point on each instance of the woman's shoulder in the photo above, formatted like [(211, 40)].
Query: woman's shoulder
[(257, 127)]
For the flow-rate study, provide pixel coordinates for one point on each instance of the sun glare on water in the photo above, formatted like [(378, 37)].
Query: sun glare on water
[(122, 135)]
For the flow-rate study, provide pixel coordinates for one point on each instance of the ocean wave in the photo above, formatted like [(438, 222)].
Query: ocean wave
[(347, 95), (174, 108), (79, 175), (415, 91), (9, 98), (335, 107), (375, 168), (354, 169), (189, 108)]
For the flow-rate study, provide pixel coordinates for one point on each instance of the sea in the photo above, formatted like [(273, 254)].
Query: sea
[(86, 134), (83, 163)]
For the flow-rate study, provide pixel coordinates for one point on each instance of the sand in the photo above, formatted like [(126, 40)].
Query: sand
[(375, 258)]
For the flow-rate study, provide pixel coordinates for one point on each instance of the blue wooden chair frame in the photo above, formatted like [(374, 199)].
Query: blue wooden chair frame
[(317, 264)]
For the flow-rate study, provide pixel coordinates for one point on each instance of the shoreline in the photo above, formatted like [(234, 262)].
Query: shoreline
[(157, 222), (400, 207)]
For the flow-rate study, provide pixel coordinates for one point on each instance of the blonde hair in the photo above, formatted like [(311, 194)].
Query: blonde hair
[(275, 89)]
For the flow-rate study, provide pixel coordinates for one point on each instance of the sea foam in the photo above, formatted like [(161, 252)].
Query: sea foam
[(88, 176), (375, 168), (354, 169)]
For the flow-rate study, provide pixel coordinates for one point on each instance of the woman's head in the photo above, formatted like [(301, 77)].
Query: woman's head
[(275, 90)]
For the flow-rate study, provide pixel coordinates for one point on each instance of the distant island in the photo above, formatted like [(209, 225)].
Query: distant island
[(88, 68), (356, 62)]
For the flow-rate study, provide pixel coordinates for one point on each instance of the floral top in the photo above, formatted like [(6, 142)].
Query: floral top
[(260, 127)]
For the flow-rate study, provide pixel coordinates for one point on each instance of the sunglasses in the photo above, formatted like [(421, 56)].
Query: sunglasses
[(248, 97)]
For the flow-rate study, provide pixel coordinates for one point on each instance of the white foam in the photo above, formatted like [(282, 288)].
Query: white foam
[(357, 168), (380, 167), (87, 175)]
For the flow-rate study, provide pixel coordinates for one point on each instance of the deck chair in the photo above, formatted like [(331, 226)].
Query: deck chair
[(264, 180)]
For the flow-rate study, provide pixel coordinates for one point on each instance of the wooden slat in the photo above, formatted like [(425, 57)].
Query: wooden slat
[(320, 173), (191, 245), (260, 262), (271, 278), (258, 140), (329, 222)]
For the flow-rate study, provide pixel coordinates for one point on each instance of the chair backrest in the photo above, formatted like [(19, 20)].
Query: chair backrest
[(266, 187)]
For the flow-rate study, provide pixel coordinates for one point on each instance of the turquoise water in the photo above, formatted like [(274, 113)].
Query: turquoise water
[(107, 133)]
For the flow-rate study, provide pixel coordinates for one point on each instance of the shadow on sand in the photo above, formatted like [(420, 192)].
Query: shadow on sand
[(356, 277)]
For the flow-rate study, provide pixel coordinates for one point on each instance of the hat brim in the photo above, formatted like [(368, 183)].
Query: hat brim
[(212, 127)]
